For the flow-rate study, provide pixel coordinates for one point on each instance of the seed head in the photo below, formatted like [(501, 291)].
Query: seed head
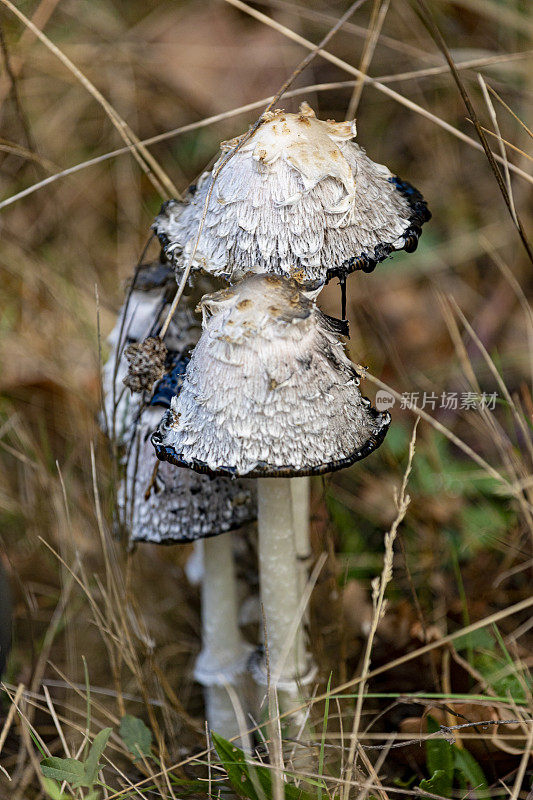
[(146, 363)]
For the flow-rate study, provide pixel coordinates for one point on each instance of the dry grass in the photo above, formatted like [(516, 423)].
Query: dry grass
[(453, 317)]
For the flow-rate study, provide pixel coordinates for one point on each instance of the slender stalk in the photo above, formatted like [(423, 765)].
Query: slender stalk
[(279, 579), (221, 666), (300, 488)]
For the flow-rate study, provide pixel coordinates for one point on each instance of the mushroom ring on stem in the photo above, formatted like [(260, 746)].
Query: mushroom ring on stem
[(300, 199)]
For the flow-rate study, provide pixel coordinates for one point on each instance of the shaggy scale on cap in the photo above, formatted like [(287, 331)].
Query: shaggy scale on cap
[(299, 198), (178, 505), (269, 390)]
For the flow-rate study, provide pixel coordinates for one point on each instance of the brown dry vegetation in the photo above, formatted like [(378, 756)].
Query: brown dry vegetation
[(463, 553)]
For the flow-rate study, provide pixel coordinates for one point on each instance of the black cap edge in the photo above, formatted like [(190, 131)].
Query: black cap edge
[(166, 453)]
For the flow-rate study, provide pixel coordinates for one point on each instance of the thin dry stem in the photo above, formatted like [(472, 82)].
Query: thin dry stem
[(379, 603)]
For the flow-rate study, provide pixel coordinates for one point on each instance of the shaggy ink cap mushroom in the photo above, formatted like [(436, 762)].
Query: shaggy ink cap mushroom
[(176, 505), (299, 198), (269, 391)]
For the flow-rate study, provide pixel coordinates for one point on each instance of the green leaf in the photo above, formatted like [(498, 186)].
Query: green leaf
[(64, 769), (136, 735), (52, 789), (481, 639), (471, 776), (234, 762), (501, 676), (437, 784), (249, 779), (439, 761), (92, 762)]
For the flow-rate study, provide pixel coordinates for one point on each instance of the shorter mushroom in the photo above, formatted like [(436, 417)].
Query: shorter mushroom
[(162, 504), (178, 506), (138, 317), (269, 393)]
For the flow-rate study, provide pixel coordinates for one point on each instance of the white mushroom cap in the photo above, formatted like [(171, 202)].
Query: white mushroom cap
[(181, 506), (299, 198), (269, 390)]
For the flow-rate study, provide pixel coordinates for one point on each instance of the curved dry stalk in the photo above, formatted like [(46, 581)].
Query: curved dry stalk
[(503, 152), (433, 29), (379, 12)]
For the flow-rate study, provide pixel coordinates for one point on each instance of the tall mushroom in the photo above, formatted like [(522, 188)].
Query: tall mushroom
[(299, 198), (270, 394), (163, 504)]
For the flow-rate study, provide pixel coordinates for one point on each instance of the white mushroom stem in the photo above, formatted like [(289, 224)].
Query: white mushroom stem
[(278, 572), (222, 664), (300, 488)]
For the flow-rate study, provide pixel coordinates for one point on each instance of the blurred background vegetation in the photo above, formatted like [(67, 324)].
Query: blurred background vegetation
[(66, 250)]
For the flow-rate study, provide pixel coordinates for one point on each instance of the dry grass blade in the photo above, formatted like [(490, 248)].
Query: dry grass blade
[(11, 714), (508, 144), (510, 110), (144, 158), (303, 90), (503, 152), (519, 292), (501, 383), (305, 12), (519, 780), (429, 21), (379, 12), (23, 152), (40, 17), (471, 63)]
